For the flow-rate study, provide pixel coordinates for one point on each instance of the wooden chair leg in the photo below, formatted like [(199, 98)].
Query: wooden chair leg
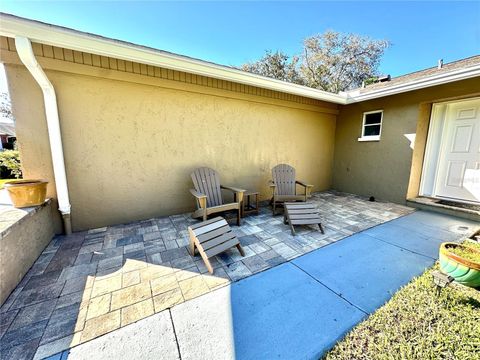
[(205, 260), (291, 228), (321, 228), (207, 264), (274, 207), (239, 216), (205, 214), (287, 218), (239, 247)]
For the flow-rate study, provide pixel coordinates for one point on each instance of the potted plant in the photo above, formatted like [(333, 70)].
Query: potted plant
[(462, 262), (26, 193)]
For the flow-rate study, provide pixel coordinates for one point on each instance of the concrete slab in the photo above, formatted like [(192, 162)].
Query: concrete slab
[(204, 326), (279, 314), (437, 225), (423, 231), (363, 270), (407, 239), (150, 338)]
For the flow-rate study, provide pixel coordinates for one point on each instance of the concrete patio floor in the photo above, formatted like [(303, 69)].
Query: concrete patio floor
[(297, 310), (92, 283)]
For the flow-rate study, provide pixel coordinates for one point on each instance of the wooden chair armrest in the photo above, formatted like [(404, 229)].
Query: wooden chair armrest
[(238, 193), (197, 194), (303, 183), (271, 183), (232, 189)]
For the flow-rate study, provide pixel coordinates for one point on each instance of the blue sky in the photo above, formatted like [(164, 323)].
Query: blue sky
[(232, 33)]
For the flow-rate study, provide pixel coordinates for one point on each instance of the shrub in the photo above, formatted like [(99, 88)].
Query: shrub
[(10, 162), (467, 252)]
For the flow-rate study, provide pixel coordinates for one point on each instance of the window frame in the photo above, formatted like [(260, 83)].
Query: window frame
[(364, 137)]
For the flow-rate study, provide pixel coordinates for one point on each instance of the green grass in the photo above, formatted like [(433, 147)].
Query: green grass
[(418, 324)]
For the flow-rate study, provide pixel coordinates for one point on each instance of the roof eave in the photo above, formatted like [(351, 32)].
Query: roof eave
[(12, 26), (433, 80)]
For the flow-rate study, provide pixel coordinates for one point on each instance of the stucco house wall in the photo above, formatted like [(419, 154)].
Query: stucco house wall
[(389, 169), (132, 134)]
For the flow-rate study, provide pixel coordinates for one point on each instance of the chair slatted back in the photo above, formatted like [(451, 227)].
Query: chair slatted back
[(284, 177), (214, 236), (207, 181)]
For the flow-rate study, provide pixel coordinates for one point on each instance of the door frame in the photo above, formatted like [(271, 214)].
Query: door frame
[(433, 149)]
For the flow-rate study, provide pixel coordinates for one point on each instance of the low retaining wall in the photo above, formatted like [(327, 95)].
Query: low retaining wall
[(24, 234)]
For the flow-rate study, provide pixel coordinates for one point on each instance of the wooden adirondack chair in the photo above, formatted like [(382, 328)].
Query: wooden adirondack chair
[(208, 194), (284, 186)]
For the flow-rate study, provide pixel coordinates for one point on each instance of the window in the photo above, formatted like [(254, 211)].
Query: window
[(372, 126)]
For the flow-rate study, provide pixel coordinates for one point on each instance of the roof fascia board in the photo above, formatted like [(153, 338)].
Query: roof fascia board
[(46, 34), (439, 79), (13, 26)]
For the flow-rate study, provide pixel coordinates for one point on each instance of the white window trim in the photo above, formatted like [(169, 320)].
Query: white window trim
[(371, 137)]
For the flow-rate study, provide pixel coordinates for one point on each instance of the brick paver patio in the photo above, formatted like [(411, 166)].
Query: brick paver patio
[(91, 283)]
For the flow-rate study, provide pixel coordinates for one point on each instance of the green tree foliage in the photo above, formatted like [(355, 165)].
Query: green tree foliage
[(10, 160), (331, 61), (277, 65), (5, 107)]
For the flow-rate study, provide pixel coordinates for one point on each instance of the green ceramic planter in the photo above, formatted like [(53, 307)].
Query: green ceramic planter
[(465, 272)]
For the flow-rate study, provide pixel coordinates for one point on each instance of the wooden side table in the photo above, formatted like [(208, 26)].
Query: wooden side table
[(247, 206)]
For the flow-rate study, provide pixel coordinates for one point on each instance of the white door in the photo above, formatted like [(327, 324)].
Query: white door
[(458, 175)]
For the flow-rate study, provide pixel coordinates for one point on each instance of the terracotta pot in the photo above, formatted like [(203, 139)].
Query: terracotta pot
[(26, 193), (464, 271)]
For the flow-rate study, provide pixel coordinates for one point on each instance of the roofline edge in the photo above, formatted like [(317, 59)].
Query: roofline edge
[(14, 26)]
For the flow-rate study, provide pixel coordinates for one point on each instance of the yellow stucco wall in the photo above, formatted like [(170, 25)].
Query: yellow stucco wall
[(130, 143), (133, 133), (385, 169)]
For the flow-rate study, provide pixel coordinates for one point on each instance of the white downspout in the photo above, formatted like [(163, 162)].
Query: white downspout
[(25, 52)]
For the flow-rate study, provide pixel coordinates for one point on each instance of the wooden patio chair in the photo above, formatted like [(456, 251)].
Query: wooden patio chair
[(212, 237), (208, 194), (284, 186)]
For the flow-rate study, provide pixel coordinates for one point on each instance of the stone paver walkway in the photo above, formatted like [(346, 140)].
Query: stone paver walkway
[(297, 310), (92, 283)]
